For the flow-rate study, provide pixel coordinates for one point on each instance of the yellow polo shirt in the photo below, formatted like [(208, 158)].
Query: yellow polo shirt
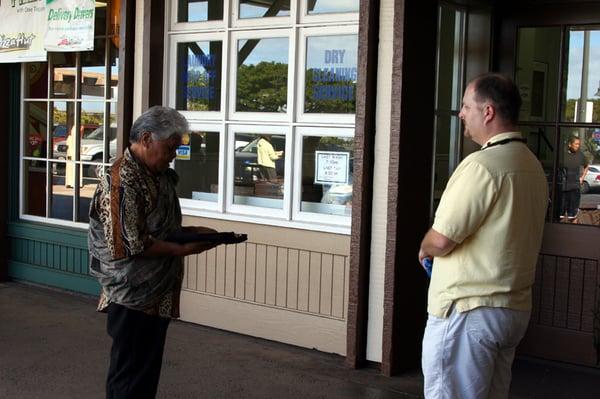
[(494, 207)]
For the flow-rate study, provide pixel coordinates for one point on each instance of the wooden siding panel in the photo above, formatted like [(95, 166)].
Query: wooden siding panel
[(339, 285), (591, 281), (326, 284), (281, 283), (229, 274), (303, 280), (202, 271), (547, 290), (211, 271), (271, 275), (314, 283), (561, 292), (240, 270), (261, 273), (575, 294), (293, 278), (250, 283)]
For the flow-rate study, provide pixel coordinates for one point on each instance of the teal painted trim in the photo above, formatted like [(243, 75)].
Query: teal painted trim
[(51, 234), (53, 278), (14, 123)]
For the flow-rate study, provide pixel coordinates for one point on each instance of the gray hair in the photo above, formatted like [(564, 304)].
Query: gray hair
[(162, 122)]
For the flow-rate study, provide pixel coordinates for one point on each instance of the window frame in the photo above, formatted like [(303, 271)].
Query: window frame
[(230, 30)]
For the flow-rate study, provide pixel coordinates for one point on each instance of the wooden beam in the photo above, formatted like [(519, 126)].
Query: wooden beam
[(364, 160), (409, 184), (126, 60)]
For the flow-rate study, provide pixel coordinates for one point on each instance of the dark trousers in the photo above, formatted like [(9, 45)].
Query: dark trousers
[(136, 353), (570, 202)]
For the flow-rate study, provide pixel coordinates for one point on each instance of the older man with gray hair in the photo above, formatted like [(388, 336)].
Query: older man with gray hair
[(133, 211)]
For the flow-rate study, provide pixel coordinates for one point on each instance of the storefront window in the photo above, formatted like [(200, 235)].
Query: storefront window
[(327, 166), (570, 156), (64, 73), (581, 97), (330, 83), (259, 170), (199, 76), (199, 10), (253, 88), (262, 75), (67, 133), (260, 9), (197, 164), (331, 6)]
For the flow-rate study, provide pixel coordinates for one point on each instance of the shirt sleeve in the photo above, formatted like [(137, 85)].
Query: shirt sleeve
[(466, 201)]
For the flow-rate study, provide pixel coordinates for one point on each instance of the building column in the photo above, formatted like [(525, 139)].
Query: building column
[(409, 182)]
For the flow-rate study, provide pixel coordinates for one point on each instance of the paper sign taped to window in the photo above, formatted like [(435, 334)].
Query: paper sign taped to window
[(331, 167), (183, 153)]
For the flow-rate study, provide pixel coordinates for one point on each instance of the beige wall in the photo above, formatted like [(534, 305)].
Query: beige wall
[(284, 284)]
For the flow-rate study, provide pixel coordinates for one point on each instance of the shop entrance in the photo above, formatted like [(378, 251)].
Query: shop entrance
[(552, 53)]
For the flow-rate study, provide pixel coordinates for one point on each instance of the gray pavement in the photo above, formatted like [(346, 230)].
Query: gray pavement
[(53, 345)]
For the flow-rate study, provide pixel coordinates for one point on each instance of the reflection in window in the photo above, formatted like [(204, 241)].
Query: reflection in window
[(93, 71), (197, 164), (36, 85), (34, 188), (199, 10), (199, 76), (64, 71), (538, 56), (541, 141), (259, 170), (264, 8), (582, 102), (61, 192), (331, 6), (35, 139), (65, 128), (262, 75), (114, 68), (330, 83), (578, 180), (327, 166)]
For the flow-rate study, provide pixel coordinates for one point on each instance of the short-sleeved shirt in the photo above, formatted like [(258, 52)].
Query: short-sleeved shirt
[(494, 208), (132, 206), (573, 164), (266, 155)]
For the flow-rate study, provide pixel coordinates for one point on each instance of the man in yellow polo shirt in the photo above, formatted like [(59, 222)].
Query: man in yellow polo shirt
[(484, 241)]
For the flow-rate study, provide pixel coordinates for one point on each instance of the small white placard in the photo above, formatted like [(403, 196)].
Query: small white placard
[(331, 167), (183, 153)]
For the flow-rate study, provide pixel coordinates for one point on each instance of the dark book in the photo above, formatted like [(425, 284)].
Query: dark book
[(182, 237)]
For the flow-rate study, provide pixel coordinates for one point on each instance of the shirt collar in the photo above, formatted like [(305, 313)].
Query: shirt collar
[(502, 136), (128, 155)]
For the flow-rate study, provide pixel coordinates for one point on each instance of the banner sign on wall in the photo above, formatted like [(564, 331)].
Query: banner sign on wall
[(70, 25), (22, 29)]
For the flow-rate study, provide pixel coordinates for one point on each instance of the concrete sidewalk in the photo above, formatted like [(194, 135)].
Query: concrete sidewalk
[(53, 345)]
